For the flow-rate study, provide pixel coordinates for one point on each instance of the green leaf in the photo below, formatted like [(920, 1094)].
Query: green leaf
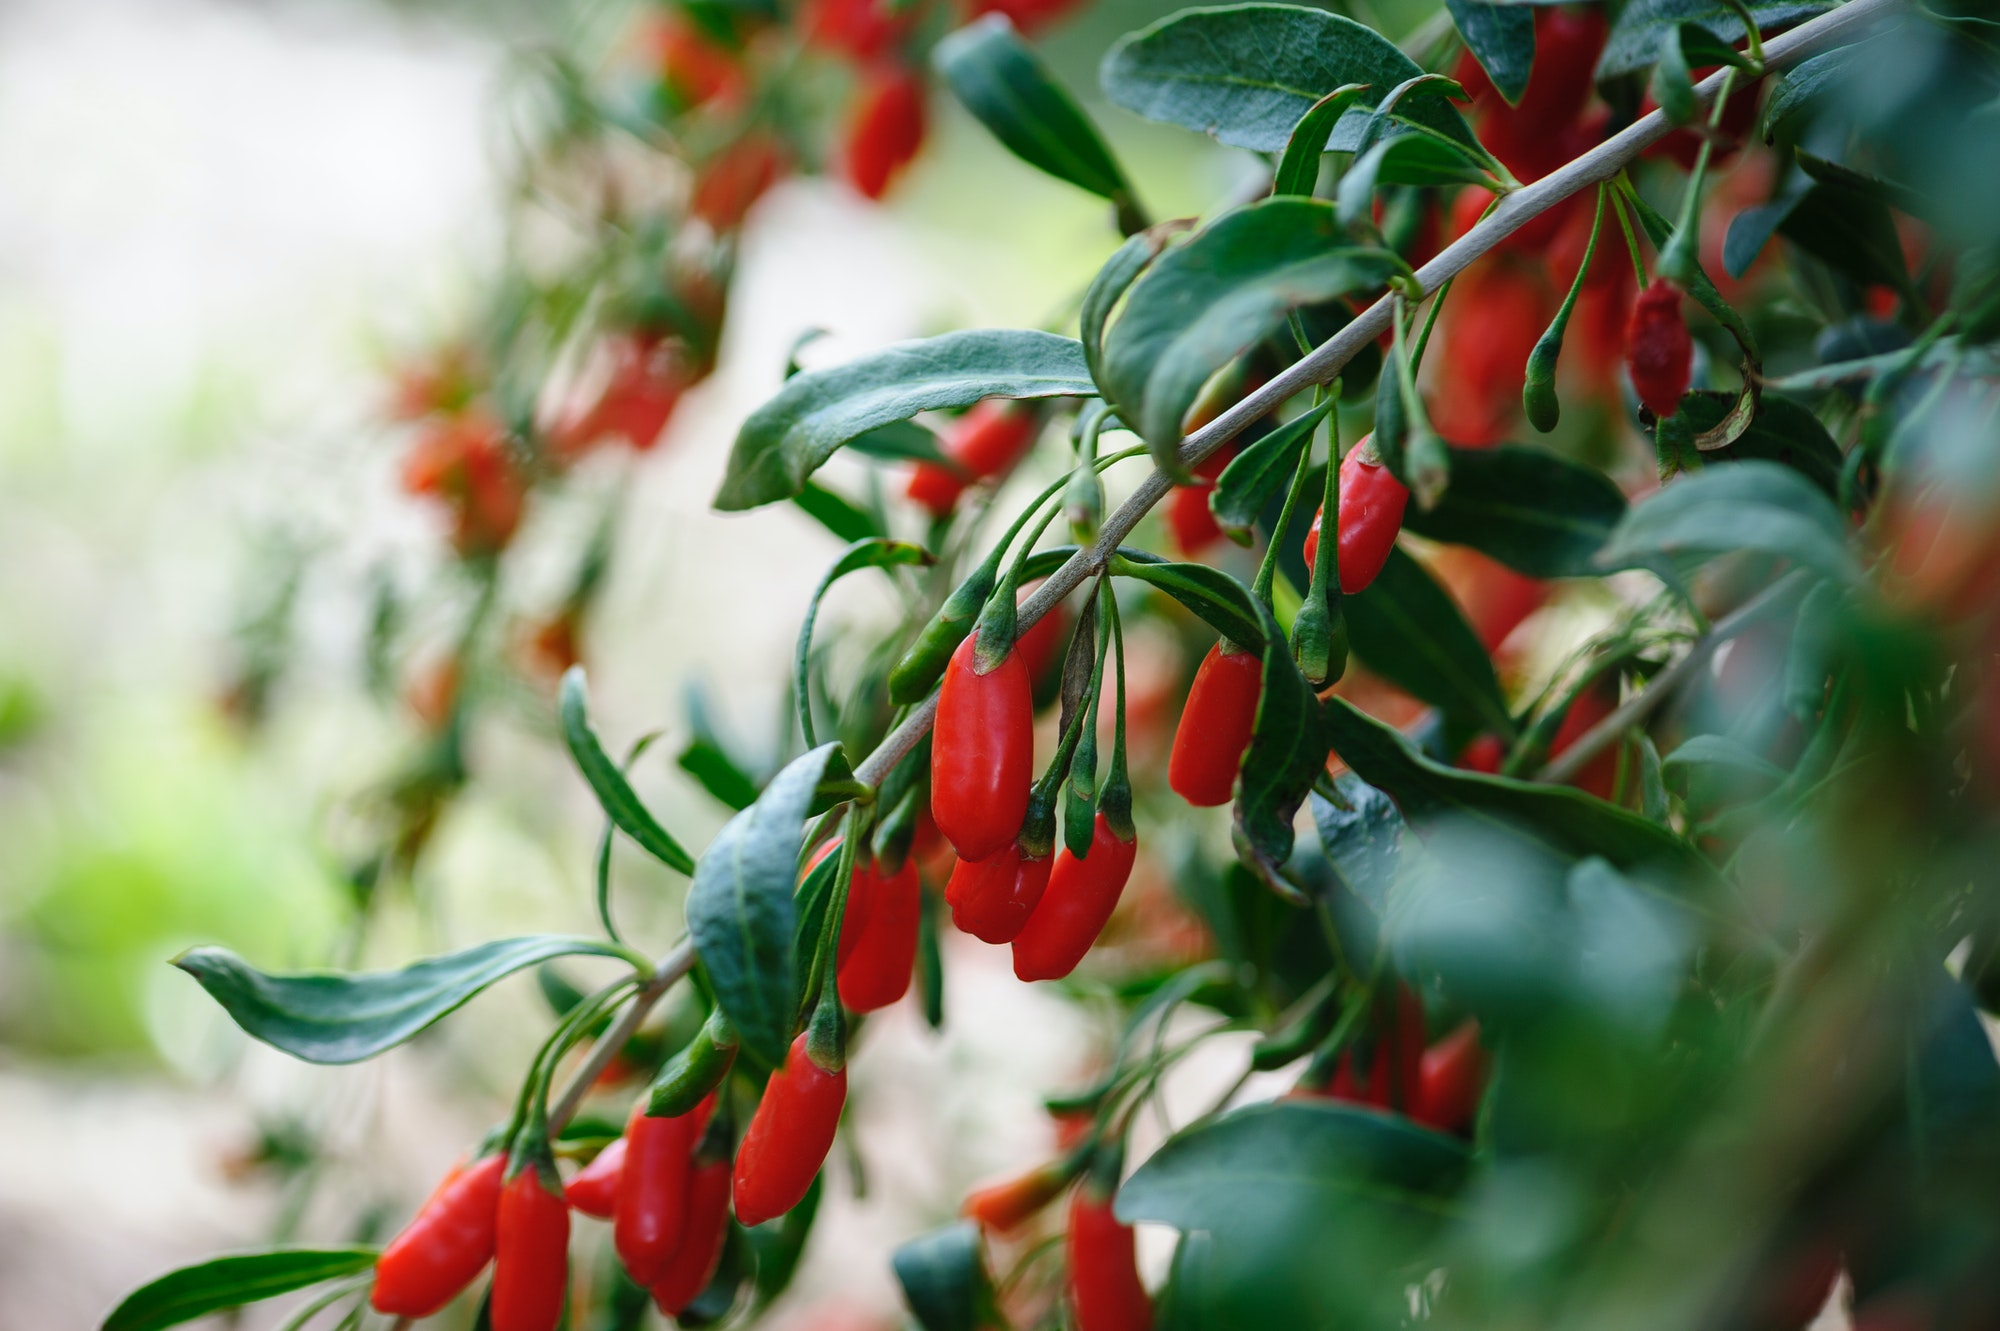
[(1302, 1209), (1407, 159), (1501, 38), (1209, 592), (1673, 82), (1806, 83), (814, 414), (1110, 284), (900, 441), (1298, 170), (874, 552), (1644, 26), (709, 759), (621, 803), (838, 514), (1008, 89), (1783, 431), (1535, 512), (1722, 751), (230, 1282), (1722, 510), (1567, 820), (1846, 225), (1247, 74), (1363, 843), (334, 1017), (944, 1280), (1204, 303), (740, 910), (1408, 630), (1253, 476)]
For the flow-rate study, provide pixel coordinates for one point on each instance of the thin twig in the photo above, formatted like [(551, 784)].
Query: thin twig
[(1322, 365), (1628, 714)]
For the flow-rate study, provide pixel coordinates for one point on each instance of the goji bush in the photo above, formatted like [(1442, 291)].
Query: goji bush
[(1606, 906)]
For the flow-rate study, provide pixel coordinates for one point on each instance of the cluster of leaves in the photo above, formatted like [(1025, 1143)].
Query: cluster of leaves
[(1731, 983)]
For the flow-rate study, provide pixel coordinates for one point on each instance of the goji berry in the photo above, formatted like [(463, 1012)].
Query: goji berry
[(987, 442), (1007, 1205), (693, 1263), (729, 184), (1494, 318), (1659, 353), (1372, 501), (530, 1254), (875, 970), (1215, 726), (991, 899), (1104, 1288), (1452, 1079), (982, 752), (1081, 896), (594, 1190), (652, 1189), (789, 1136), (887, 129), (445, 1247)]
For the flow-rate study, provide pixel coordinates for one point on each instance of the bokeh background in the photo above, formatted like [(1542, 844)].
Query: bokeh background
[(222, 224)]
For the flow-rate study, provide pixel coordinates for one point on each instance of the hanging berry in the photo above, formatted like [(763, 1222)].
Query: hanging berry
[(985, 443), (531, 1251), (1105, 1292), (789, 1136), (1081, 896), (652, 1191), (1372, 501), (445, 1247), (1659, 353), (1451, 1080), (1215, 726), (887, 129), (875, 967), (991, 899), (693, 1264), (594, 1190), (982, 751)]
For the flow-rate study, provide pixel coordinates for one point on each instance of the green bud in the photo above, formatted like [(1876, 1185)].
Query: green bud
[(1538, 394), (694, 1071), (1083, 504), (921, 666)]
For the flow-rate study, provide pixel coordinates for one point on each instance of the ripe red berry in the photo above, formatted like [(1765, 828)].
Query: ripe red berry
[(652, 1190), (1371, 514), (1600, 775), (861, 29), (1189, 517), (887, 129), (1081, 896), (874, 969), (991, 899), (1492, 322), (986, 442), (1215, 726), (729, 184), (594, 1190), (1451, 1080), (1659, 353), (789, 1136), (693, 1263), (445, 1247), (530, 1255), (1484, 754), (1104, 1288), (1006, 1205), (982, 752), (1568, 40)]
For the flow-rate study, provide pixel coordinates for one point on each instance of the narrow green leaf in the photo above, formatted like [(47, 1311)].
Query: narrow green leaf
[(1720, 510), (335, 1017), (944, 1280), (995, 75), (1110, 284), (740, 910), (1298, 170), (1253, 476), (712, 760), (899, 441), (1209, 592), (838, 514), (1673, 83), (1536, 512), (874, 552), (1567, 820), (1408, 630), (814, 414), (1848, 227), (1202, 304), (1407, 159), (1644, 26), (621, 803), (230, 1282), (1722, 751), (1247, 74), (1823, 78), (1501, 38)]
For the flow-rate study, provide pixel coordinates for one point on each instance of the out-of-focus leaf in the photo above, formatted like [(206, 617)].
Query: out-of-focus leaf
[(1203, 303), (333, 1017), (1408, 630), (1006, 87), (1253, 476), (1569, 821), (1535, 512), (1805, 83), (944, 1280), (815, 413), (230, 1282), (1303, 1206), (621, 803), (1501, 38), (1363, 843), (1247, 74), (740, 910), (836, 513), (1746, 506), (1724, 752)]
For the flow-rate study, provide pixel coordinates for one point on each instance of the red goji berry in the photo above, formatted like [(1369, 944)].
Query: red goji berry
[(1215, 726), (594, 1190), (789, 1136), (875, 970), (1568, 40), (1007, 1205), (1371, 514), (986, 442), (728, 185), (445, 1247), (1451, 1080), (1599, 776), (530, 1255), (694, 68), (1081, 896), (693, 1263), (887, 129), (862, 29), (1659, 353), (1189, 517), (1492, 325), (1484, 754), (1396, 1069), (1104, 1288), (652, 1191), (991, 899), (982, 752)]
